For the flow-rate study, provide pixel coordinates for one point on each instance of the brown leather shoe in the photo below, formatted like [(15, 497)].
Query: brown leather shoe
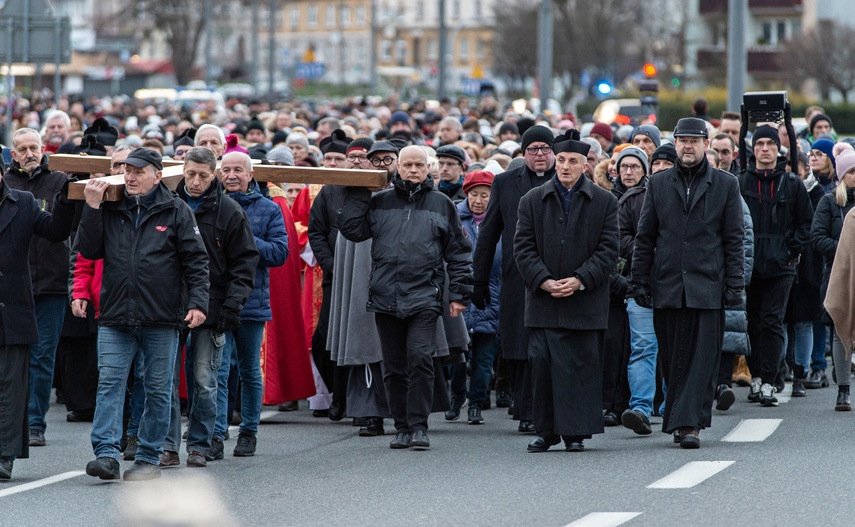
[(196, 459), (169, 459)]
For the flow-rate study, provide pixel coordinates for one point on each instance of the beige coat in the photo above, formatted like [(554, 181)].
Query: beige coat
[(840, 299)]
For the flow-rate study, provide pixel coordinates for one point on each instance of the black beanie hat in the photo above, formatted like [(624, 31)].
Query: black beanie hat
[(255, 124), (666, 152), (362, 143), (279, 137), (524, 124), (766, 132), (537, 134), (817, 118), (509, 127)]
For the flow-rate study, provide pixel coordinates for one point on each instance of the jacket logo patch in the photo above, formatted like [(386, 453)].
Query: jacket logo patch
[(161, 228)]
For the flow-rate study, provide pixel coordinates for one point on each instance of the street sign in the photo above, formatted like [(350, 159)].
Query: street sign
[(48, 37), (310, 70)]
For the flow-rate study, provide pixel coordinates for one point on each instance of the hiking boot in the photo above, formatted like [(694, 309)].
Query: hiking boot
[(843, 403), (131, 449), (741, 373), (37, 437), (104, 468), (504, 400), (373, 427), (475, 415), (816, 379), (754, 394), (216, 451), (453, 414), (142, 471), (636, 421), (196, 459), (767, 395), (799, 388), (169, 459), (245, 446)]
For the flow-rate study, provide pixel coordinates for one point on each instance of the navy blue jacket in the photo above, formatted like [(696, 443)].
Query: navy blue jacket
[(487, 320), (21, 216), (268, 228)]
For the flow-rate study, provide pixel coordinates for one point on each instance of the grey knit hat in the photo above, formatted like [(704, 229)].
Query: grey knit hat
[(633, 151)]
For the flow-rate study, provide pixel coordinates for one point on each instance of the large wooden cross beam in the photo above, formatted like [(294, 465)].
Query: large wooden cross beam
[(173, 173)]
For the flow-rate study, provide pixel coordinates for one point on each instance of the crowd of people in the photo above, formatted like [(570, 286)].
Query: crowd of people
[(580, 275)]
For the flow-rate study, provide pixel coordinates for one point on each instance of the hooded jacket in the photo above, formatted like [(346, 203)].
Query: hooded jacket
[(155, 263), (416, 234), (487, 320)]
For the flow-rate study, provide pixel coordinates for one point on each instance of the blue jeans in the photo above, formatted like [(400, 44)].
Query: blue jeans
[(50, 313), (641, 370), (136, 391), (803, 345), (204, 351), (245, 343), (117, 348), (484, 349), (820, 339)]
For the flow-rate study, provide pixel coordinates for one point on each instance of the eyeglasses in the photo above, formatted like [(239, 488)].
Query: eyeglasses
[(534, 150), (449, 164), (383, 161), (357, 159), (630, 168)]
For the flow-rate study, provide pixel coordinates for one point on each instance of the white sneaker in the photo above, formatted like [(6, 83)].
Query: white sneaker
[(754, 394), (767, 397)]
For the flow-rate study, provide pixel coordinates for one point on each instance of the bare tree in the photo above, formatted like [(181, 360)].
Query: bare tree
[(824, 54), (516, 44)]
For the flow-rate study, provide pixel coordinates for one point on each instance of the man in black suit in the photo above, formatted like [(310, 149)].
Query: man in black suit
[(692, 220)]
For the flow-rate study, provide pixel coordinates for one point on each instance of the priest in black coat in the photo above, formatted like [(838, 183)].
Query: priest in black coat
[(565, 246)]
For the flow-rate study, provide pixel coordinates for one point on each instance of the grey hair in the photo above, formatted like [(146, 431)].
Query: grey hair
[(203, 156), (211, 127), (453, 121), (22, 131), (122, 148), (59, 114)]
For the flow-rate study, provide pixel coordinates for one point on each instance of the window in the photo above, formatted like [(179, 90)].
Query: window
[(385, 50), (420, 10), (401, 51), (455, 9), (767, 33), (477, 8), (313, 16), (329, 20), (433, 49), (782, 31), (345, 16), (464, 49), (359, 52), (479, 49), (360, 15), (295, 17)]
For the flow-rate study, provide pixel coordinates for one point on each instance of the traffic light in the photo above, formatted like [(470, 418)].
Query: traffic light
[(604, 88), (649, 70)]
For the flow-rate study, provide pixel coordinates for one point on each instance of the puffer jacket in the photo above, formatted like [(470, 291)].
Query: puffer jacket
[(268, 228), (155, 264), (414, 229), (487, 320), (736, 318), (48, 260)]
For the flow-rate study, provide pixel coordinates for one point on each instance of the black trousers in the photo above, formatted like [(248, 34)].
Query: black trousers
[(615, 360), (14, 396), (767, 304), (519, 375), (334, 376), (408, 345), (725, 369), (690, 343), (76, 372)]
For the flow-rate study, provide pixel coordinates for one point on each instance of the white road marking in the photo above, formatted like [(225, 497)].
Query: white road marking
[(752, 430), (604, 519), (690, 474), (267, 414), (40, 483), (786, 395)]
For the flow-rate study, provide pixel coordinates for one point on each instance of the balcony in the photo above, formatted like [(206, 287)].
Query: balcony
[(719, 7), (762, 63)]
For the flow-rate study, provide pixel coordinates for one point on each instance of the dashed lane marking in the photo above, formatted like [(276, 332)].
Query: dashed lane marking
[(40, 483), (267, 414), (786, 395), (752, 430), (604, 519), (690, 474)]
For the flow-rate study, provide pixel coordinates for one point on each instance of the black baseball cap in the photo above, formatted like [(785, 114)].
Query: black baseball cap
[(142, 157)]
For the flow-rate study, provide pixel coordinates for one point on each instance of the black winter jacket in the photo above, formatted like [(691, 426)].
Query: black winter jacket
[(154, 272), (782, 212), (48, 259), (629, 212), (232, 254), (323, 227), (414, 229)]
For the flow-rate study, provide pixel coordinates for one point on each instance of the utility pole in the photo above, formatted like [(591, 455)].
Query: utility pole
[(254, 45), (545, 54), (372, 66), (271, 49), (737, 64), (208, 40), (443, 50)]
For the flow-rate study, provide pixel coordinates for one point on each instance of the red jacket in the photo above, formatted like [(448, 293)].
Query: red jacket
[(86, 280)]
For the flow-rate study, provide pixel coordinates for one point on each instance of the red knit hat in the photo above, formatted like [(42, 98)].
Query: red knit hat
[(604, 130), (473, 179)]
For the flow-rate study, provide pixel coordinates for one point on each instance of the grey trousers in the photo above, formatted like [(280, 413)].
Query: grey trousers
[(842, 356)]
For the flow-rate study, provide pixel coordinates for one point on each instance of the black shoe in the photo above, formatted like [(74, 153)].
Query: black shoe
[(320, 413), (104, 468), (290, 406), (816, 379), (216, 451), (6, 467), (725, 398), (487, 404), (359, 421), (142, 471), (574, 445), (526, 427), (543, 443), (402, 440), (843, 403), (453, 413), (690, 441), (420, 440), (504, 400), (475, 415), (336, 412), (37, 437), (799, 388), (123, 442), (245, 446), (611, 418), (80, 416), (373, 427), (131, 450), (636, 421), (677, 437)]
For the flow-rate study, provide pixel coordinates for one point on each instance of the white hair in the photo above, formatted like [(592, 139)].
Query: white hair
[(58, 114), (210, 127)]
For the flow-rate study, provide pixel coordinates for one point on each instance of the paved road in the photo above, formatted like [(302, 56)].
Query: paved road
[(311, 472)]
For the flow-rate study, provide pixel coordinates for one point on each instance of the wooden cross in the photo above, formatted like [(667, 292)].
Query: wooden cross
[(173, 173)]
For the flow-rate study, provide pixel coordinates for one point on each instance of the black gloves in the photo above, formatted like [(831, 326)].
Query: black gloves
[(732, 297), (62, 197), (641, 295), (229, 320), (481, 295)]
